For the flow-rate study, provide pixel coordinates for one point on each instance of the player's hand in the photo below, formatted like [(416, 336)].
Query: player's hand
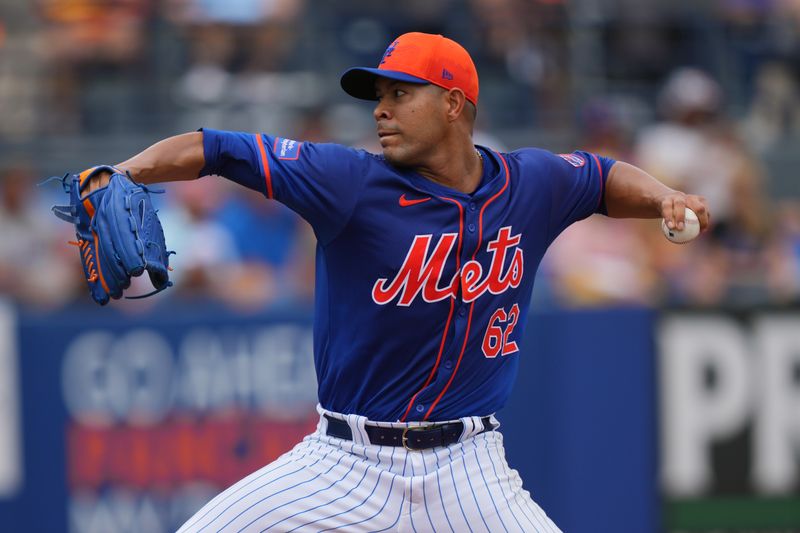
[(98, 181), (673, 209)]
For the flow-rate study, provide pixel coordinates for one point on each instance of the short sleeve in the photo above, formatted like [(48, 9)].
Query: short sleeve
[(321, 182), (577, 186)]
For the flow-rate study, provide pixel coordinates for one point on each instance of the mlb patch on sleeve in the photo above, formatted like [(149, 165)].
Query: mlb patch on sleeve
[(286, 148), (573, 159)]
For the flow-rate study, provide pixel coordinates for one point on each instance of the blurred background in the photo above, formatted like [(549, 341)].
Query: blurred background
[(118, 419)]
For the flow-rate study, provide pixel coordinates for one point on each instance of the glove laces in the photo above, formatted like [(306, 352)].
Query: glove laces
[(88, 261)]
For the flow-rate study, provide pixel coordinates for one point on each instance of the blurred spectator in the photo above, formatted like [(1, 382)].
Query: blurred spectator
[(203, 88), (606, 127), (603, 261), (785, 262), (756, 249), (693, 148), (95, 66), (270, 241), (231, 12), (36, 265), (238, 77), (698, 151), (529, 41), (94, 48), (21, 69), (774, 112), (206, 252)]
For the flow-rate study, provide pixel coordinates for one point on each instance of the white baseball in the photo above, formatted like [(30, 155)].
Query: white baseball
[(691, 229)]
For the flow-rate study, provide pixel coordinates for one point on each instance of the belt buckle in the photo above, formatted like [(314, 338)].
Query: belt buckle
[(404, 438)]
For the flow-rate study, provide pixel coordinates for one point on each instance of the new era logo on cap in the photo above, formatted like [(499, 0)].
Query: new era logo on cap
[(418, 58)]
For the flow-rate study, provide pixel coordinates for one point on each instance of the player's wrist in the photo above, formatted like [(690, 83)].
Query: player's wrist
[(663, 200)]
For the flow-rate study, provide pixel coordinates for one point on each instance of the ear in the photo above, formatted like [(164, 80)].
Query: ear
[(455, 103)]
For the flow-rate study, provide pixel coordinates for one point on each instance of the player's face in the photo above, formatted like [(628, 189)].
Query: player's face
[(411, 120)]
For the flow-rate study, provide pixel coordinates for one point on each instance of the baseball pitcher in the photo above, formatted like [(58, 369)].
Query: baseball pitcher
[(425, 263)]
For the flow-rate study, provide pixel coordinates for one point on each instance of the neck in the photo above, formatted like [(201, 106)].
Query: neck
[(459, 168)]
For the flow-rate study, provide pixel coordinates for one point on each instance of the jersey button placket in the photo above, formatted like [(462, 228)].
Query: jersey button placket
[(470, 239)]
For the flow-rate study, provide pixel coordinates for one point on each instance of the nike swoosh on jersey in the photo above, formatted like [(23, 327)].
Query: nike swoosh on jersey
[(404, 202)]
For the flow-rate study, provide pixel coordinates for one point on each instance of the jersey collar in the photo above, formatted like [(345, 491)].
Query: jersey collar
[(492, 180)]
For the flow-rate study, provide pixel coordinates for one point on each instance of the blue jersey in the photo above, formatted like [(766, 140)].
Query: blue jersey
[(421, 291)]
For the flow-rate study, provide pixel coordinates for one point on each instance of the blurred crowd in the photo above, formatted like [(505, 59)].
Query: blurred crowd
[(703, 95)]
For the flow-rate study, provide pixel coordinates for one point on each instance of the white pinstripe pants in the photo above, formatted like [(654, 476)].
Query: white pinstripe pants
[(326, 484)]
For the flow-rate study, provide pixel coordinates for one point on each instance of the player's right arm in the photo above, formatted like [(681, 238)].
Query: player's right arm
[(177, 158), (319, 181)]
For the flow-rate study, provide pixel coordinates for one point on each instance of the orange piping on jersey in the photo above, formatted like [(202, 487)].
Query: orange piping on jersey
[(449, 315), (436, 364), (489, 201), (460, 230), (265, 164), (602, 184), (472, 305)]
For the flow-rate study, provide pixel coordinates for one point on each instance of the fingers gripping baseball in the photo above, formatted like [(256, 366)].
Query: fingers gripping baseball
[(673, 210), (699, 205)]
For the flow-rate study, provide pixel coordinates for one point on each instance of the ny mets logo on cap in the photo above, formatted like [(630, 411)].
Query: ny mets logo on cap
[(388, 52)]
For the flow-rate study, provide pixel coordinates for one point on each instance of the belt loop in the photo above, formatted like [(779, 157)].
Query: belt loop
[(358, 427), (472, 426)]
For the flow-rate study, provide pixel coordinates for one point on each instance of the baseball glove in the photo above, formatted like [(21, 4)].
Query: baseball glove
[(118, 231)]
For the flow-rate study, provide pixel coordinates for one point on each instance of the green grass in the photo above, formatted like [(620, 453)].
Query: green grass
[(732, 513)]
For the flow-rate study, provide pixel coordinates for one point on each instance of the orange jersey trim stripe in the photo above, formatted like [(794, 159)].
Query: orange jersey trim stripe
[(449, 315), (472, 305), (265, 165), (602, 184)]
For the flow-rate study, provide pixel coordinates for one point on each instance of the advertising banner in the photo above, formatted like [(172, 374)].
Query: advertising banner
[(730, 420), (131, 423), (10, 430)]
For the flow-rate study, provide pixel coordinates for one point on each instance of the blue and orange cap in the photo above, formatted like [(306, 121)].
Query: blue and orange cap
[(417, 58)]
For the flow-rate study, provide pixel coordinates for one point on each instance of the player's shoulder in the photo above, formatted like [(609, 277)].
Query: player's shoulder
[(532, 159), (343, 152), (539, 159), (535, 155), (328, 157)]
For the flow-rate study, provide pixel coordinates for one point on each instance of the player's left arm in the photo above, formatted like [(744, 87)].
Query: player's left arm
[(631, 192)]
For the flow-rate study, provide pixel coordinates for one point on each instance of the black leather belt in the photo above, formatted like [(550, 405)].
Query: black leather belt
[(411, 438)]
